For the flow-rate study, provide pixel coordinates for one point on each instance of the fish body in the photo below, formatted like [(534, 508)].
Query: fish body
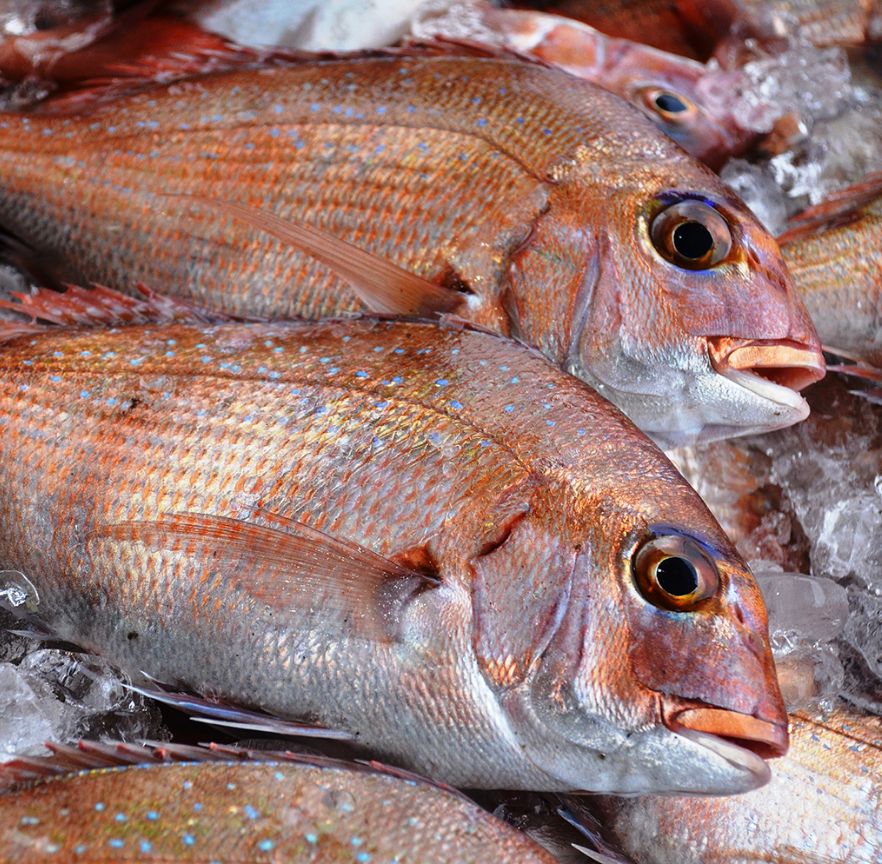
[(550, 210), (668, 88), (822, 806), (835, 254), (274, 807), (258, 511)]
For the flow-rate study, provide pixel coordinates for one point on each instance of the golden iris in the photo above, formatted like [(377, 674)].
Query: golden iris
[(692, 235), (674, 572)]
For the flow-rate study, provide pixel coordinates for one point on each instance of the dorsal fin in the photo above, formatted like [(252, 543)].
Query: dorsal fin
[(381, 285), (93, 755), (98, 307)]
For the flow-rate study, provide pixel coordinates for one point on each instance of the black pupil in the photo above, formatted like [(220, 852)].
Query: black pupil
[(670, 103), (693, 240), (676, 576)]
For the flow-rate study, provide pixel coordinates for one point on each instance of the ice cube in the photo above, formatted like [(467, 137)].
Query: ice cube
[(803, 607), (758, 189), (28, 715), (63, 696)]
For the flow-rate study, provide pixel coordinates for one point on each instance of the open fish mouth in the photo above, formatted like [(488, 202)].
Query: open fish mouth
[(763, 738), (775, 370)]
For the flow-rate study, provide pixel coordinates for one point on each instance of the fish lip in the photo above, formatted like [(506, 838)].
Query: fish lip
[(765, 739), (740, 757), (776, 369)]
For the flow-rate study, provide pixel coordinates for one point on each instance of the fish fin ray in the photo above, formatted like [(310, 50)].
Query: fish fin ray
[(288, 565), (381, 285), (601, 852), (100, 306), (839, 208), (219, 713)]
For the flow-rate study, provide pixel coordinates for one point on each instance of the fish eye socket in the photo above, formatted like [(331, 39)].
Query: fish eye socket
[(674, 573), (691, 235), (667, 105)]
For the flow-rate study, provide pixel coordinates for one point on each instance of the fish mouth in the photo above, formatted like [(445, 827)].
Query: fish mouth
[(775, 370), (762, 738)]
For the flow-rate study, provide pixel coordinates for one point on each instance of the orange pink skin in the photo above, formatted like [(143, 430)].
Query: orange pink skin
[(823, 805), (266, 810), (446, 450), (632, 70), (526, 189), (835, 254)]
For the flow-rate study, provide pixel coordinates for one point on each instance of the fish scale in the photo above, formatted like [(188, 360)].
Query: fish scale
[(252, 811), (523, 195), (254, 511)]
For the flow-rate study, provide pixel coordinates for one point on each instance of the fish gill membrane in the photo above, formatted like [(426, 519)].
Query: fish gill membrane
[(553, 212), (248, 461)]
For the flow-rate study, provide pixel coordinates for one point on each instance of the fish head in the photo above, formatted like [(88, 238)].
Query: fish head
[(659, 674), (693, 327), (676, 93)]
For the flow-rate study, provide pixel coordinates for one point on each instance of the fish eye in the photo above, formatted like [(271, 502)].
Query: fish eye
[(669, 106), (674, 573), (692, 235)]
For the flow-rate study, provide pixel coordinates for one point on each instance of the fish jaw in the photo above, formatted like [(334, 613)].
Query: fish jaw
[(765, 738), (774, 369)]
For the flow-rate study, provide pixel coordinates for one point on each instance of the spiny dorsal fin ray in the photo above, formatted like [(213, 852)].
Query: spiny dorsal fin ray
[(98, 306)]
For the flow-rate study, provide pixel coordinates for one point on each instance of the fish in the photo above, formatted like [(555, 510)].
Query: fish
[(176, 803), (822, 806), (671, 90), (248, 512), (544, 207), (834, 251)]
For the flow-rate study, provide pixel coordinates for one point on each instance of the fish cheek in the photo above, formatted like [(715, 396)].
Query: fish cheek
[(706, 655)]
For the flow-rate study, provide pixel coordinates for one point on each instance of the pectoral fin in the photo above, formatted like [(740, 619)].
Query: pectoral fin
[(329, 581), (381, 285)]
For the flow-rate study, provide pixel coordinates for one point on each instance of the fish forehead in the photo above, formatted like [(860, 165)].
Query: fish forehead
[(242, 809)]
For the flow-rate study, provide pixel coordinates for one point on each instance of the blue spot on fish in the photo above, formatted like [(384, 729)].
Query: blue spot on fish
[(100, 806), (361, 374), (266, 845), (250, 812), (311, 838), (188, 840), (441, 382), (145, 846), (482, 121), (152, 815), (116, 843), (455, 404), (120, 817)]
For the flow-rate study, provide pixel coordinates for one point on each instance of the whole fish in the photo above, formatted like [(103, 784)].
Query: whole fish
[(539, 206), (822, 806), (427, 538), (193, 804), (834, 251), (666, 87)]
